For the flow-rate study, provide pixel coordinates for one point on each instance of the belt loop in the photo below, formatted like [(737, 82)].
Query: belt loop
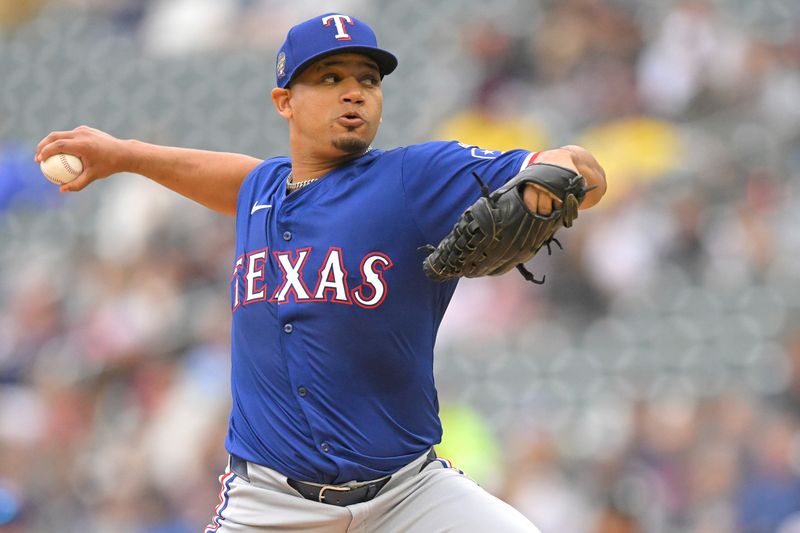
[(238, 466), (431, 457), (372, 491)]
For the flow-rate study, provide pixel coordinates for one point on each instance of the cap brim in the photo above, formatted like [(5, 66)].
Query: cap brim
[(386, 61)]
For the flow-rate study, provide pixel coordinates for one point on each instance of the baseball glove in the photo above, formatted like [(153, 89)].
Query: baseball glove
[(498, 232)]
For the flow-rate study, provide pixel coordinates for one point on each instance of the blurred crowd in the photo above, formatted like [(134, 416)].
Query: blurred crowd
[(651, 385)]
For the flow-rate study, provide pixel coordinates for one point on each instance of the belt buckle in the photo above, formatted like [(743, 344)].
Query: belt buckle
[(331, 487)]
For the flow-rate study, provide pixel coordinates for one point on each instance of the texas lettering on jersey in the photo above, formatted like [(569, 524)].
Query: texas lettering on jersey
[(249, 283)]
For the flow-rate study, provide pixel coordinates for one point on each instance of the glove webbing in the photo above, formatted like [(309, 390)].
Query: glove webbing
[(467, 239), (527, 274)]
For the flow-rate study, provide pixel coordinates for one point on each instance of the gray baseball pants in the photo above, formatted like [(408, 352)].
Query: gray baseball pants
[(440, 498)]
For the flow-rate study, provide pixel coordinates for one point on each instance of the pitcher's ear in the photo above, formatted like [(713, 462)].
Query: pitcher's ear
[(282, 102)]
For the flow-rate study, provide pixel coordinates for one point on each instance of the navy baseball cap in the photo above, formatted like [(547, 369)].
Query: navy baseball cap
[(331, 33)]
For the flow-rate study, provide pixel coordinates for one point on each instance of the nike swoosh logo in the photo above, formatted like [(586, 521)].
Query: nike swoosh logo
[(258, 207)]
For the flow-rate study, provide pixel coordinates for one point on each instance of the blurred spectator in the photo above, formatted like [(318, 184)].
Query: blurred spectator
[(770, 490), (32, 322), (494, 120), (635, 150), (779, 83), (597, 29), (694, 51), (623, 251), (165, 31), (614, 520), (788, 400), (713, 477), (742, 244), (686, 248), (13, 14), (537, 486)]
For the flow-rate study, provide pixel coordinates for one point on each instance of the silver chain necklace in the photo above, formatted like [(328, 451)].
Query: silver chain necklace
[(294, 185)]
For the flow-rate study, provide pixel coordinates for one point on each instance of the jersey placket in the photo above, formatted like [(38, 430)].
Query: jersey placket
[(290, 319)]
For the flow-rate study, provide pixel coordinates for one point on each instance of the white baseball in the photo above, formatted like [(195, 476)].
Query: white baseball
[(61, 168)]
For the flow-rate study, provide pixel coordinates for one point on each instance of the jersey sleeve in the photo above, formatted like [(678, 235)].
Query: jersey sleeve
[(439, 185), (259, 180)]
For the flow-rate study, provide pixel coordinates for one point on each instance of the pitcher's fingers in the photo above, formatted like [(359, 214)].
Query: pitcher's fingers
[(545, 202), (541, 190), (59, 146), (78, 183), (51, 137)]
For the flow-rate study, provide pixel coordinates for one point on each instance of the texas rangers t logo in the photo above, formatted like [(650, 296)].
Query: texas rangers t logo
[(339, 20)]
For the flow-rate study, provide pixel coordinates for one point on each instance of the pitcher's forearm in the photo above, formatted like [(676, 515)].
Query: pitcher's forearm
[(209, 178)]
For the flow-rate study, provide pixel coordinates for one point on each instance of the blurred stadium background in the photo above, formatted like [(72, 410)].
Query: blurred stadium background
[(651, 385)]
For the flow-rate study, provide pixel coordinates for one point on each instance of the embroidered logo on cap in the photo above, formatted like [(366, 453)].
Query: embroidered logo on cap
[(338, 21)]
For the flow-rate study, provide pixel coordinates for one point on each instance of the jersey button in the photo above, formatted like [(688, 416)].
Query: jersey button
[(287, 235), (325, 447), (302, 391), (288, 328)]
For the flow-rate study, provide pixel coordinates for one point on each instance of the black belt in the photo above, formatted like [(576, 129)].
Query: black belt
[(341, 495)]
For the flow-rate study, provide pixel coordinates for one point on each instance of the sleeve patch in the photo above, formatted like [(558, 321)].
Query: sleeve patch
[(480, 153)]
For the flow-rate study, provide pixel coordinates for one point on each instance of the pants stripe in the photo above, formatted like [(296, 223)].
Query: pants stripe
[(216, 521), (447, 464)]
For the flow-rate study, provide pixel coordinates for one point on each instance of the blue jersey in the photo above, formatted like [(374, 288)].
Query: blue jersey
[(334, 321)]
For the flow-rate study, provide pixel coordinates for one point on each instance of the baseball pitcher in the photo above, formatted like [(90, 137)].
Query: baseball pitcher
[(346, 259)]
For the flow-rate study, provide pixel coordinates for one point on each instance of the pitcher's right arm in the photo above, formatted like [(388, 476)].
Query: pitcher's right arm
[(209, 178)]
